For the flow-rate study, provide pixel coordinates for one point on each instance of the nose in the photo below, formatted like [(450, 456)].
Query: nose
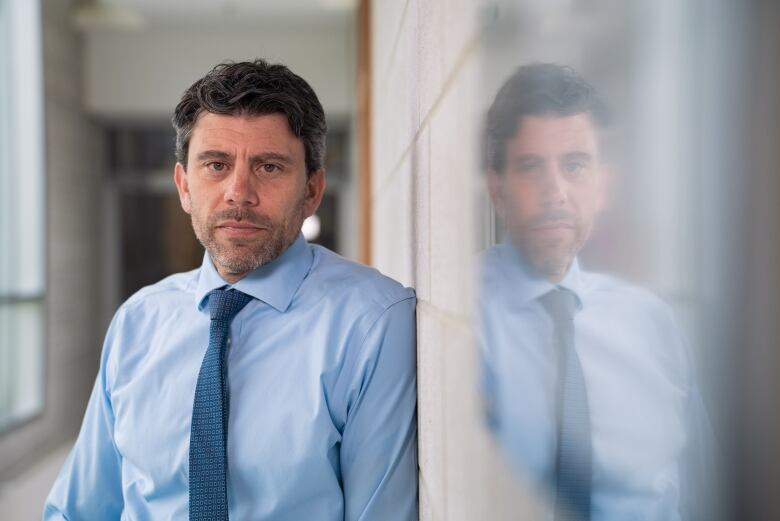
[(240, 189), (554, 191)]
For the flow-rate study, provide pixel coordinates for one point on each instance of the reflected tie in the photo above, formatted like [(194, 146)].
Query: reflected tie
[(208, 434), (574, 451)]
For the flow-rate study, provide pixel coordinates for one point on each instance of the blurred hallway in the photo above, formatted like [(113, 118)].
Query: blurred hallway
[(22, 497), (89, 213)]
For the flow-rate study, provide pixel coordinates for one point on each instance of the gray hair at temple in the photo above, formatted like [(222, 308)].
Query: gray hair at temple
[(538, 89), (255, 88)]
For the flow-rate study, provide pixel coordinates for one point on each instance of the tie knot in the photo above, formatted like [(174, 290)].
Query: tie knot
[(560, 303), (225, 304)]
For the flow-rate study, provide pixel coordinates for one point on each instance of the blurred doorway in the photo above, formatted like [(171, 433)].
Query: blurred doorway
[(150, 236)]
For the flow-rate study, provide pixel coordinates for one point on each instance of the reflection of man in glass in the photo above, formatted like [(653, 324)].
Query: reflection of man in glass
[(588, 384)]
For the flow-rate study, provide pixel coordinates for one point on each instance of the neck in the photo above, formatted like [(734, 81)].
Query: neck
[(554, 273)]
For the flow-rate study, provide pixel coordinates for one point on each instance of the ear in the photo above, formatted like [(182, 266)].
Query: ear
[(182, 186), (315, 189), (495, 187)]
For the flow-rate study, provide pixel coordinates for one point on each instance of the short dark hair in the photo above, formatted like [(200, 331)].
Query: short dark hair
[(538, 89), (254, 88)]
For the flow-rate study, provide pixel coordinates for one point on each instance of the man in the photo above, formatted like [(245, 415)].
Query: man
[(588, 384), (275, 382)]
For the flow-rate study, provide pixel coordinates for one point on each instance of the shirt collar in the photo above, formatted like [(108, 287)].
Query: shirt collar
[(274, 283), (527, 284)]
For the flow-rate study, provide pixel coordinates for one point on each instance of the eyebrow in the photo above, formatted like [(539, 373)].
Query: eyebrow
[(578, 156), (259, 158), (213, 154), (533, 157), (271, 156), (526, 158)]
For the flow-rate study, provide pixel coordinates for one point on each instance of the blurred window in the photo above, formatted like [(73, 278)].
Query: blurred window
[(22, 213)]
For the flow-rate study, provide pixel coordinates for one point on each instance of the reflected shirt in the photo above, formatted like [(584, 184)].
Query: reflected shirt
[(647, 418), (322, 378)]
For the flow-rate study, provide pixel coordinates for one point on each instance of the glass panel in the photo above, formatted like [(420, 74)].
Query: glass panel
[(24, 196), (5, 215), (22, 213), (21, 361), (596, 287)]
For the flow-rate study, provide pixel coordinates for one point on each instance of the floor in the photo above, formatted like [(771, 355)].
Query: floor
[(22, 499)]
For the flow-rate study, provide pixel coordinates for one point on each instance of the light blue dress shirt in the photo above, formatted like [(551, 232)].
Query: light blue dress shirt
[(649, 430), (322, 398)]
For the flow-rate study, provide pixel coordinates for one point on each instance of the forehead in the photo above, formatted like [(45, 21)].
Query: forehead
[(546, 135), (239, 133)]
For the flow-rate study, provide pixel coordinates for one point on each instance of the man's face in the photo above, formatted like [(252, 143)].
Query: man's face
[(551, 189), (246, 189)]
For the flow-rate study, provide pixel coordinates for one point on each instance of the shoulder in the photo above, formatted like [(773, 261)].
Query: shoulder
[(170, 290), (139, 317), (341, 279), (638, 312), (612, 290), (493, 256), (494, 266)]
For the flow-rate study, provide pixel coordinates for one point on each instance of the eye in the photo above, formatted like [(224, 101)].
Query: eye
[(574, 168), (216, 166), (528, 167), (269, 168)]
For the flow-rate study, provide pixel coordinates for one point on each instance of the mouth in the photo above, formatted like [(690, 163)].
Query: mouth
[(554, 228), (239, 229)]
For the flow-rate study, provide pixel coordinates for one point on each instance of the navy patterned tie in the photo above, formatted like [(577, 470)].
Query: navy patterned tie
[(574, 449), (208, 434)]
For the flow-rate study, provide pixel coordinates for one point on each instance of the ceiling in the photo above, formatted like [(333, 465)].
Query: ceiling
[(173, 12)]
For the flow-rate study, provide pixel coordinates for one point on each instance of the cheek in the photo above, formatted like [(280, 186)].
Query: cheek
[(208, 195), (203, 206), (297, 193), (194, 202), (521, 198), (586, 204), (280, 198)]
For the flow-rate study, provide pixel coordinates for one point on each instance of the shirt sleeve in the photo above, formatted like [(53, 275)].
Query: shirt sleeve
[(701, 486), (487, 377), (379, 442), (699, 461), (89, 483)]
